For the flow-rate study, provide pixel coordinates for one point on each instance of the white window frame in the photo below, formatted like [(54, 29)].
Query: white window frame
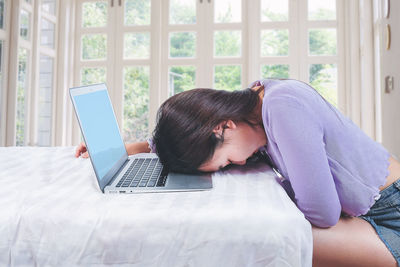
[(16, 43), (5, 37), (52, 53), (204, 61), (298, 58), (35, 50)]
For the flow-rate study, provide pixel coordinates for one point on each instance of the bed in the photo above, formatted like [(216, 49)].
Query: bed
[(53, 214)]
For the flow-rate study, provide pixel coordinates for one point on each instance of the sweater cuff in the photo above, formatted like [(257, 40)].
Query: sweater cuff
[(151, 145)]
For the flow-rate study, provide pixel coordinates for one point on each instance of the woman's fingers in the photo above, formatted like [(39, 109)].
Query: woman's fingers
[(81, 150), (85, 155)]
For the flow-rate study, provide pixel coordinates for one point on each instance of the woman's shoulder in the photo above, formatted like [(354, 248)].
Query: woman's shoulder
[(289, 91)]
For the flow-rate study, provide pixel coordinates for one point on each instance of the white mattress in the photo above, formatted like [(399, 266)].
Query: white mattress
[(52, 213)]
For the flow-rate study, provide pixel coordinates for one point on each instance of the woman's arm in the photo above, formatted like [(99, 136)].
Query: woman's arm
[(131, 149), (139, 147), (299, 136)]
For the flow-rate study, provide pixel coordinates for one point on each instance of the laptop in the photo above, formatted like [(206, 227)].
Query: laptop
[(117, 172)]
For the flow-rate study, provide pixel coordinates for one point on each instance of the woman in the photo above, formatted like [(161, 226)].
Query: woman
[(331, 167)]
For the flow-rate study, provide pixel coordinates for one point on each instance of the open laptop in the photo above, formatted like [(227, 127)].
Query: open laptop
[(117, 172)]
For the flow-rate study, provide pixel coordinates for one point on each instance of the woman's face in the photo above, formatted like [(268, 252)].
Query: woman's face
[(241, 141)]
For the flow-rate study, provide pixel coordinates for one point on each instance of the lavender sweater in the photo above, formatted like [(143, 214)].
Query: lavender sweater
[(330, 164)]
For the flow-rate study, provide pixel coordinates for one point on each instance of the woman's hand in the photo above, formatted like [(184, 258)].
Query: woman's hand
[(81, 151), (133, 148)]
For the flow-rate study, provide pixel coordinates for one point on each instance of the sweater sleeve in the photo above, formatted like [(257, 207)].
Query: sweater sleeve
[(299, 137)]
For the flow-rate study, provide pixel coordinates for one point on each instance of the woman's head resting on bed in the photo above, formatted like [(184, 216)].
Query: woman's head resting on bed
[(203, 130)]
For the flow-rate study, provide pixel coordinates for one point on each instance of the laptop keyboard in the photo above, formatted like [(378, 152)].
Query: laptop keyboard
[(144, 173)]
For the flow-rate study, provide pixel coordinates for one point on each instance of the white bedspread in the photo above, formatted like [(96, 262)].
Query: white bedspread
[(52, 213)]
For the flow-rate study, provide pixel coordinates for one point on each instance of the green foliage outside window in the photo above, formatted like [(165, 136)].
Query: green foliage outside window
[(181, 78), (136, 103), (137, 12)]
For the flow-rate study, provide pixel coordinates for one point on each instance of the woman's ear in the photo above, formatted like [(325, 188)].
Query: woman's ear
[(229, 124)]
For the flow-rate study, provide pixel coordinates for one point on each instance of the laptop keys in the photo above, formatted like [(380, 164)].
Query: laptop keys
[(144, 173)]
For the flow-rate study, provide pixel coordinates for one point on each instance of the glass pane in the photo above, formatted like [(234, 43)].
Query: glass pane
[(272, 10), (94, 14), (181, 78), (24, 24), (94, 46), (227, 11), (137, 45), (2, 14), (49, 6), (137, 12), (322, 42), (182, 11), (47, 33), (321, 10), (22, 87), (182, 44), (45, 98), (228, 77), (275, 71), (323, 77), (227, 43), (274, 43), (93, 75), (136, 104)]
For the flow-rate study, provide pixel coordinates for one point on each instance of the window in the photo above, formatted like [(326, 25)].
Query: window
[(149, 50), (299, 39), (32, 64), (115, 47)]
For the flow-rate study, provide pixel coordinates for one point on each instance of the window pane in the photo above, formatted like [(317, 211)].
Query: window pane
[(137, 45), (137, 12), (24, 24), (47, 33), (45, 98), (22, 87), (94, 14), (274, 43), (181, 78), (274, 71), (182, 12), (182, 44), (227, 11), (136, 104), (2, 13), (227, 43), (94, 46), (228, 77), (322, 10), (322, 42), (49, 6), (272, 10), (93, 75), (323, 77)]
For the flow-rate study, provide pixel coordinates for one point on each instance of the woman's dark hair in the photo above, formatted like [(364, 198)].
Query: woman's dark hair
[(184, 137)]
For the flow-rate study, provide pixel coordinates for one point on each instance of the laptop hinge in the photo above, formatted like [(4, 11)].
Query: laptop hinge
[(117, 173)]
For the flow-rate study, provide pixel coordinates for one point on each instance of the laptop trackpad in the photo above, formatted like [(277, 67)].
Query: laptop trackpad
[(178, 180)]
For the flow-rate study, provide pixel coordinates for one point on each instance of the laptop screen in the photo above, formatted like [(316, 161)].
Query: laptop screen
[(100, 130)]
